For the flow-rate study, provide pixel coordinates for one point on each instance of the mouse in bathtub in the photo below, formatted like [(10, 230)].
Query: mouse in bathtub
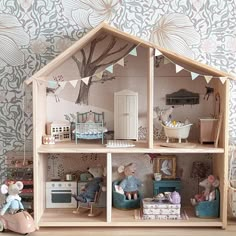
[(88, 192), (166, 115)]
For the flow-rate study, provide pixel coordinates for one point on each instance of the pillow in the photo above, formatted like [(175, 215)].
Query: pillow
[(90, 118), (119, 190)]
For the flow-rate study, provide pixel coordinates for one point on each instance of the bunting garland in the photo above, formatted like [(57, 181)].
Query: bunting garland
[(157, 53), (85, 80), (193, 74), (223, 79), (121, 62), (110, 68), (133, 52), (73, 82), (178, 68), (208, 78), (97, 76)]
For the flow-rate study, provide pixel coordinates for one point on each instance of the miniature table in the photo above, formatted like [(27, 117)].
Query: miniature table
[(166, 185), (163, 210)]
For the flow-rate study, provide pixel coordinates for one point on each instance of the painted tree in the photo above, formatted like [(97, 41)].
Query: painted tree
[(88, 65)]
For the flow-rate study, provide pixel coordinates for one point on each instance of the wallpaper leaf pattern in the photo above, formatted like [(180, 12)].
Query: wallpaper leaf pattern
[(10, 42), (89, 13), (175, 32), (204, 30)]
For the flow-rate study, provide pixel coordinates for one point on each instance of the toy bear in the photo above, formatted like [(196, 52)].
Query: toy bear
[(130, 184), (92, 187), (13, 200)]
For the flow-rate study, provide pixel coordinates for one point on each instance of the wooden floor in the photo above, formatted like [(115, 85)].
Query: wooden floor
[(231, 230)]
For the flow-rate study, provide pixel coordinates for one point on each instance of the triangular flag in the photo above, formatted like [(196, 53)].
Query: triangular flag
[(121, 62), (133, 52), (223, 79), (208, 78), (62, 84), (157, 53), (194, 75), (52, 84), (73, 82), (178, 68), (166, 61), (86, 80), (99, 75), (110, 68)]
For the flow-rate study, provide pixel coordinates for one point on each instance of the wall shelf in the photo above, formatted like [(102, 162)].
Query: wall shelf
[(141, 147)]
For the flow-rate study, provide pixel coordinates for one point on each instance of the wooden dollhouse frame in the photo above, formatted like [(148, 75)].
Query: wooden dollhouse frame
[(112, 217)]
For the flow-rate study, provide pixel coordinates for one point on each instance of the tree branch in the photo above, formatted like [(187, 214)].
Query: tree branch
[(78, 63), (106, 51), (93, 46), (118, 50), (83, 67), (116, 60), (103, 80)]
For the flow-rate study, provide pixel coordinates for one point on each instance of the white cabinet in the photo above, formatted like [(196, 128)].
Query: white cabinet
[(126, 115)]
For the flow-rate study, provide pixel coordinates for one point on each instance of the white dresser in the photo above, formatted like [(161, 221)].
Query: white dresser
[(126, 115)]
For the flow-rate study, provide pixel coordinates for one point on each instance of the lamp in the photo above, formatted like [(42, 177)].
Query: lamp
[(199, 171)]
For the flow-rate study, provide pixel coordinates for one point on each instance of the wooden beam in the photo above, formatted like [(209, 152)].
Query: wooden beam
[(150, 96)]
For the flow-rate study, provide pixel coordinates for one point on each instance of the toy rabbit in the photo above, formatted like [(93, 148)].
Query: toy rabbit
[(13, 200)]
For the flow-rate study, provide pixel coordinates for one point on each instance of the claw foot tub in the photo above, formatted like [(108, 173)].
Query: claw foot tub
[(181, 132)]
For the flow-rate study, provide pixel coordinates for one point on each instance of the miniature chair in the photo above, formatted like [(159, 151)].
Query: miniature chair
[(88, 205), (209, 209), (120, 201)]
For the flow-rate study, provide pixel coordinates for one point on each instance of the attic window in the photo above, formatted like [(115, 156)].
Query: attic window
[(182, 97)]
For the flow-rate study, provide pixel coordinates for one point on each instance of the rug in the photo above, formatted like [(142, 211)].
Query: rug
[(139, 216), (119, 143)]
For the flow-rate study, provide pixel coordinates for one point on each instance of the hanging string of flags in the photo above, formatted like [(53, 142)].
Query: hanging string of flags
[(98, 76), (194, 75)]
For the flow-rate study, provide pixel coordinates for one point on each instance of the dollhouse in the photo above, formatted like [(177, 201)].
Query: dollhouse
[(115, 45), (60, 131)]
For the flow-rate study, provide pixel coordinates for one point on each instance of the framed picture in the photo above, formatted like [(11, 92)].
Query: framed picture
[(166, 165)]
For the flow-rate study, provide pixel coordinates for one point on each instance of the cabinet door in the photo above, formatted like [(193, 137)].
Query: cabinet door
[(126, 117)]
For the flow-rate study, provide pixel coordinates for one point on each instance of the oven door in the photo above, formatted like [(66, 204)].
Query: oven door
[(60, 198)]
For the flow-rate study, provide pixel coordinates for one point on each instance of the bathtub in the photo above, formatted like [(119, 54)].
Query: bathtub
[(177, 132)]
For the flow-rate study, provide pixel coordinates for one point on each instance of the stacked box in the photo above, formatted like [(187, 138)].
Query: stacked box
[(161, 210)]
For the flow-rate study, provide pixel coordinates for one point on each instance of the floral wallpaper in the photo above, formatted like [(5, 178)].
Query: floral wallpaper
[(34, 32)]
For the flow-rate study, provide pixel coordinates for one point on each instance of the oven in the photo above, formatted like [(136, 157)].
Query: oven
[(58, 194)]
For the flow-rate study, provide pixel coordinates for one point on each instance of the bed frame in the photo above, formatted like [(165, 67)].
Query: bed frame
[(83, 125)]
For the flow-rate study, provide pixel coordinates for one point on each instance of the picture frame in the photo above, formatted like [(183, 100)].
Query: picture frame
[(166, 165)]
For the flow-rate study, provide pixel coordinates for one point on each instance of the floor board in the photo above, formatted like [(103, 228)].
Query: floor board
[(230, 231)]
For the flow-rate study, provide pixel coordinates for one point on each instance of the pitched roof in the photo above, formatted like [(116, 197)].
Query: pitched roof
[(185, 62)]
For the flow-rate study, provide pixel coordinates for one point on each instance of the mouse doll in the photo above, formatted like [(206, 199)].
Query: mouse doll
[(88, 192), (13, 200), (130, 184)]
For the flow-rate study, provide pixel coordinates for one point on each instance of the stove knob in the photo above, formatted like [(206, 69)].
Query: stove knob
[(69, 185), (59, 185), (53, 185)]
